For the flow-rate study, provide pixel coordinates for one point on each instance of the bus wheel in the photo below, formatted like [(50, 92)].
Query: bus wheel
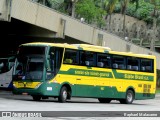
[(129, 98), (63, 95), (36, 98), (104, 100)]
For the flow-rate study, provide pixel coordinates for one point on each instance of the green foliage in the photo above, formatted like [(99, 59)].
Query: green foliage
[(99, 18), (149, 19), (144, 11), (89, 11), (94, 10), (142, 14), (131, 9), (117, 8), (110, 6), (86, 9)]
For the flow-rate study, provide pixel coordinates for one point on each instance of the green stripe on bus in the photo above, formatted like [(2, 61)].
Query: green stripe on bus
[(132, 76), (91, 73), (102, 74)]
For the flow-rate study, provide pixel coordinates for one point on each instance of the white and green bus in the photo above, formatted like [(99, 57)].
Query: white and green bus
[(45, 70), (6, 68)]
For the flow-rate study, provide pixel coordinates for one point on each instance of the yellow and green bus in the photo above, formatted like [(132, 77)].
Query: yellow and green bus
[(59, 70)]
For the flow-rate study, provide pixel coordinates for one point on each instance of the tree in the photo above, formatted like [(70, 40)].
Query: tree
[(89, 11), (155, 14), (109, 8), (137, 3), (124, 4), (68, 6)]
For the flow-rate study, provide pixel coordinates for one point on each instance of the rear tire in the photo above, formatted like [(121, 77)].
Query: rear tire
[(104, 100), (63, 95), (129, 98), (36, 98)]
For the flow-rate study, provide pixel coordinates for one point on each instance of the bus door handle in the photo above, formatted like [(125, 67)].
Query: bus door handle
[(78, 79)]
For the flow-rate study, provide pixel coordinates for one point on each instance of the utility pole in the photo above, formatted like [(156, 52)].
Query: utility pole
[(156, 14)]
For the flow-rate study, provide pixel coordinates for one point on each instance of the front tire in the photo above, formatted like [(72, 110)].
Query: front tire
[(129, 98), (63, 95)]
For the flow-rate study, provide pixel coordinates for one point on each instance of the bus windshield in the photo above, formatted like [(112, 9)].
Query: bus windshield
[(37, 63), (31, 69), (30, 63), (6, 64)]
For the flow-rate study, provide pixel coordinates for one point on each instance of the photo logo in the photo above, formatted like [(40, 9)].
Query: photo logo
[(6, 114)]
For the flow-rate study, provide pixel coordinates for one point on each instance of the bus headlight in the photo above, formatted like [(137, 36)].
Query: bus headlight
[(14, 85)]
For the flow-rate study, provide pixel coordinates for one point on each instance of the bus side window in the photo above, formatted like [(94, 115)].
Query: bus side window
[(119, 62), (103, 60), (70, 57), (146, 65), (133, 63), (87, 58)]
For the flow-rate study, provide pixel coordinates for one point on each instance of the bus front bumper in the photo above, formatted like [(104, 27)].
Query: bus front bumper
[(42, 90)]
